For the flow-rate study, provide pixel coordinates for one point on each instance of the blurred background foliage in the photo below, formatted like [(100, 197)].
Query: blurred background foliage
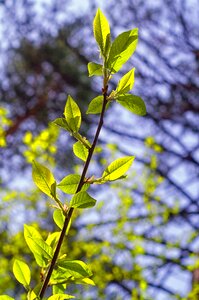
[(142, 240)]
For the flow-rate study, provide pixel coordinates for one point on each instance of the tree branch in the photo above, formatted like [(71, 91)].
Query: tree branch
[(71, 209)]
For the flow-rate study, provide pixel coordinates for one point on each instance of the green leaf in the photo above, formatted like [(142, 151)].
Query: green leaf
[(59, 218), (126, 82), (59, 289), (117, 168), (80, 150), (43, 178), (32, 296), (107, 46), (30, 231), (40, 249), (53, 190), (122, 49), (101, 31), (60, 297), (53, 238), (72, 114), (76, 268), (82, 200), (69, 271), (82, 139), (103, 180), (61, 122), (133, 103), (70, 183), (95, 69), (95, 106), (6, 297), (22, 272), (42, 252), (87, 281)]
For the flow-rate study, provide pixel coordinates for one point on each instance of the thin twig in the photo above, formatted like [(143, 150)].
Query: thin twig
[(71, 209)]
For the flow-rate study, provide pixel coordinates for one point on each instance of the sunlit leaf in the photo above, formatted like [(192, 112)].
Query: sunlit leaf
[(95, 106), (32, 296), (6, 297), (22, 272), (70, 183), (133, 103), (70, 270), (103, 180), (72, 114), (53, 238), (40, 249), (53, 189), (61, 122), (80, 150), (60, 297), (122, 49), (107, 47), (43, 178), (82, 200), (30, 231), (59, 288), (117, 168), (126, 82), (59, 218), (94, 69), (87, 281), (76, 268), (101, 31)]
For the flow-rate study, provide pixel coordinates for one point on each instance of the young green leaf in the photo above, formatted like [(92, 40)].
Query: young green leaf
[(80, 150), (133, 103), (95, 69), (60, 297), (82, 139), (69, 226), (32, 296), (107, 47), (61, 122), (117, 168), (82, 200), (53, 238), (70, 183), (40, 249), (59, 218), (53, 190), (95, 106), (87, 281), (69, 270), (103, 180), (6, 297), (22, 272), (42, 252), (76, 268), (59, 288), (43, 178), (122, 49), (30, 231), (72, 114), (101, 30), (126, 83)]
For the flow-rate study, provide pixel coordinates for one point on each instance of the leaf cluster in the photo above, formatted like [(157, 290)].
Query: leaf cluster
[(56, 270)]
